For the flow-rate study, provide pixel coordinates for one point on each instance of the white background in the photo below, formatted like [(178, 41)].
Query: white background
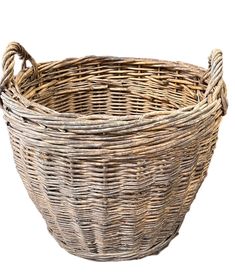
[(172, 30)]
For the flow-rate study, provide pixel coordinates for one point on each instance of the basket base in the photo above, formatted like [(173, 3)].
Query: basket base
[(155, 250)]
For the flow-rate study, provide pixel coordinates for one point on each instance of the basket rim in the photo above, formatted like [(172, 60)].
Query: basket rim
[(31, 107), (42, 114)]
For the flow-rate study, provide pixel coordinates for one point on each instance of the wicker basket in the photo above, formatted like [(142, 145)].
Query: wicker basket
[(112, 151)]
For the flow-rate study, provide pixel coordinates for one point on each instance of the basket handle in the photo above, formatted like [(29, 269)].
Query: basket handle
[(9, 63), (215, 71)]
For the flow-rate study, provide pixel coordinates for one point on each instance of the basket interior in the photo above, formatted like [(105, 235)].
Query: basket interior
[(112, 86)]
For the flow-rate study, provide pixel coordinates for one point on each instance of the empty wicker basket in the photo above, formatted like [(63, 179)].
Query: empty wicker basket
[(112, 151)]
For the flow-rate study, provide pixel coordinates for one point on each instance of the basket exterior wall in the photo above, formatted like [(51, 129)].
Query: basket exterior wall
[(105, 200)]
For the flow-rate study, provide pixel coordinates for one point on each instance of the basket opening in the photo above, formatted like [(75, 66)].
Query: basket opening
[(114, 87)]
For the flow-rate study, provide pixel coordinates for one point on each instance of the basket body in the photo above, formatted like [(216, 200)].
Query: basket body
[(113, 179)]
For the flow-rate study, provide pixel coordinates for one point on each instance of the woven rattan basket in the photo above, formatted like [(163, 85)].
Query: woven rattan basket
[(112, 151)]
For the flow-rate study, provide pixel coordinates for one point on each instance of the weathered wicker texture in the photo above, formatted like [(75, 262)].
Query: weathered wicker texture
[(112, 151)]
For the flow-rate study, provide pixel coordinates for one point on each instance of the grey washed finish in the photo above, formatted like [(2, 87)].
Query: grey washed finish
[(112, 151)]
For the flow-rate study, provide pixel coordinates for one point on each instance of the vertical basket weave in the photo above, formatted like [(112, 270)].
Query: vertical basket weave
[(112, 151)]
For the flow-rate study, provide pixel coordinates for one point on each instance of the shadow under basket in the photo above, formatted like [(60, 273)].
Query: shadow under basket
[(112, 151)]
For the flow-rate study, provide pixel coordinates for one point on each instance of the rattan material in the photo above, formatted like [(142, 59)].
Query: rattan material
[(112, 151)]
